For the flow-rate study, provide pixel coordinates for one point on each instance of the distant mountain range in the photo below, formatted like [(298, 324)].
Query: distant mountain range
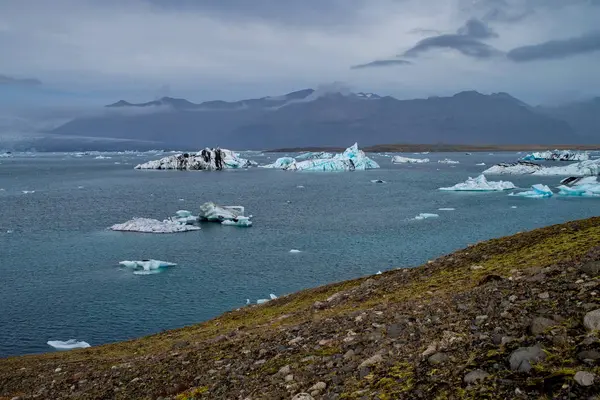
[(329, 119)]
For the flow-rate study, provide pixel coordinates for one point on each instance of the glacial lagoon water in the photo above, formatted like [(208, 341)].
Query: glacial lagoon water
[(59, 272)]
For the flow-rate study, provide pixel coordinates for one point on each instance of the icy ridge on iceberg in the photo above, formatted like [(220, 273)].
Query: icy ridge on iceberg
[(537, 191), (583, 168), (150, 225), (558, 155), (207, 159), (280, 163), (408, 160), (313, 155), (480, 184)]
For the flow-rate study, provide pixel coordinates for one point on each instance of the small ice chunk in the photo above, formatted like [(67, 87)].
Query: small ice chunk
[(68, 345), (378, 181), (480, 164), (513, 207), (216, 213), (9, 231), (183, 213), (247, 301), (295, 251), (80, 187), (378, 273), (300, 187), (480, 184), (448, 161), (149, 225), (272, 296), (446, 209), (538, 191), (408, 160), (103, 157), (28, 191), (262, 301), (425, 216), (239, 221)]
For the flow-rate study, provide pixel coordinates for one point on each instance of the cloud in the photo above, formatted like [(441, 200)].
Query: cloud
[(8, 80), (382, 63), (466, 41), (557, 49)]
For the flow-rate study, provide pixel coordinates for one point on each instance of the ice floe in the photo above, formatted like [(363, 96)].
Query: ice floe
[(68, 345), (538, 191), (425, 216), (350, 160), (580, 187), (27, 191), (147, 267), (448, 161), (102, 157), (207, 159), (480, 184), (184, 217), (480, 164), (408, 160), (149, 225), (295, 251), (583, 168), (558, 155), (446, 209)]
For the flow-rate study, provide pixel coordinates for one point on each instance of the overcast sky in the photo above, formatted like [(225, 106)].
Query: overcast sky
[(95, 51)]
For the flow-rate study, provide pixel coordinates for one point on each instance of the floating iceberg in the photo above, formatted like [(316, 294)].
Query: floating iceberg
[(27, 191), (425, 216), (295, 251), (350, 160), (407, 160), (149, 225), (68, 345), (313, 155), (446, 209), (184, 217), (207, 159), (583, 168), (215, 213), (580, 187), (448, 161), (378, 181), (239, 221), (102, 157), (480, 164), (280, 163), (147, 267), (538, 191), (480, 184), (558, 155)]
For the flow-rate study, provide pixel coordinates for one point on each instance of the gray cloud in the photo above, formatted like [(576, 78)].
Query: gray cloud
[(466, 41), (382, 63), (8, 80), (556, 49)]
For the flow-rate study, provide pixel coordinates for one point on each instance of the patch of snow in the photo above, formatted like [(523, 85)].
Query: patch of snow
[(149, 225), (425, 216), (480, 184), (68, 345), (538, 191), (407, 160)]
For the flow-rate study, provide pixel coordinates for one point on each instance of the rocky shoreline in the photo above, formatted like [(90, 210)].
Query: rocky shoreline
[(515, 317)]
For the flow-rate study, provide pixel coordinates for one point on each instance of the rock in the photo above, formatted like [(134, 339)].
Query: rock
[(284, 370), (588, 355), (319, 305), (521, 359), (394, 330), (180, 344), (544, 295), (295, 340), (431, 349), (438, 358), (584, 378), (476, 267), (474, 376), (540, 324), (134, 380), (303, 396), (480, 319), (315, 393), (512, 298), (591, 269), (289, 378), (349, 354), (318, 386), (592, 320), (57, 370), (376, 359)]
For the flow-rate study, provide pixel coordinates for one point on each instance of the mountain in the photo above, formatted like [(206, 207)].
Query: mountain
[(583, 116), (328, 118)]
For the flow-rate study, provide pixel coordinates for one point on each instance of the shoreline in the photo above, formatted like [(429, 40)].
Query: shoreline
[(406, 333), (440, 148)]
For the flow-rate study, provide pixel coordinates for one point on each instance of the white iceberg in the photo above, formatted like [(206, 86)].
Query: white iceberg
[(262, 301), (580, 187), (446, 209), (27, 191), (149, 225), (295, 251), (448, 161), (272, 296), (425, 216), (538, 191), (280, 163), (147, 267), (68, 345), (480, 164), (239, 221), (207, 159), (407, 160), (480, 184), (352, 159), (558, 155), (215, 213), (313, 155), (101, 157), (583, 168)]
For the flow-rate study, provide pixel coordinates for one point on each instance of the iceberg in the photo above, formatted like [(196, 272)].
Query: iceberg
[(407, 160), (312, 155), (295, 251), (147, 267), (27, 191), (352, 159), (538, 191), (101, 157), (378, 181), (580, 187), (480, 164), (239, 221), (446, 209), (215, 213), (149, 225), (448, 161), (425, 216), (480, 184), (68, 345), (184, 217), (558, 155), (583, 168), (280, 163), (207, 159)]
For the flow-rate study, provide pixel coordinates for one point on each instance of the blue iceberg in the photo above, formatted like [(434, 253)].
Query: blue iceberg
[(538, 191), (580, 187)]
